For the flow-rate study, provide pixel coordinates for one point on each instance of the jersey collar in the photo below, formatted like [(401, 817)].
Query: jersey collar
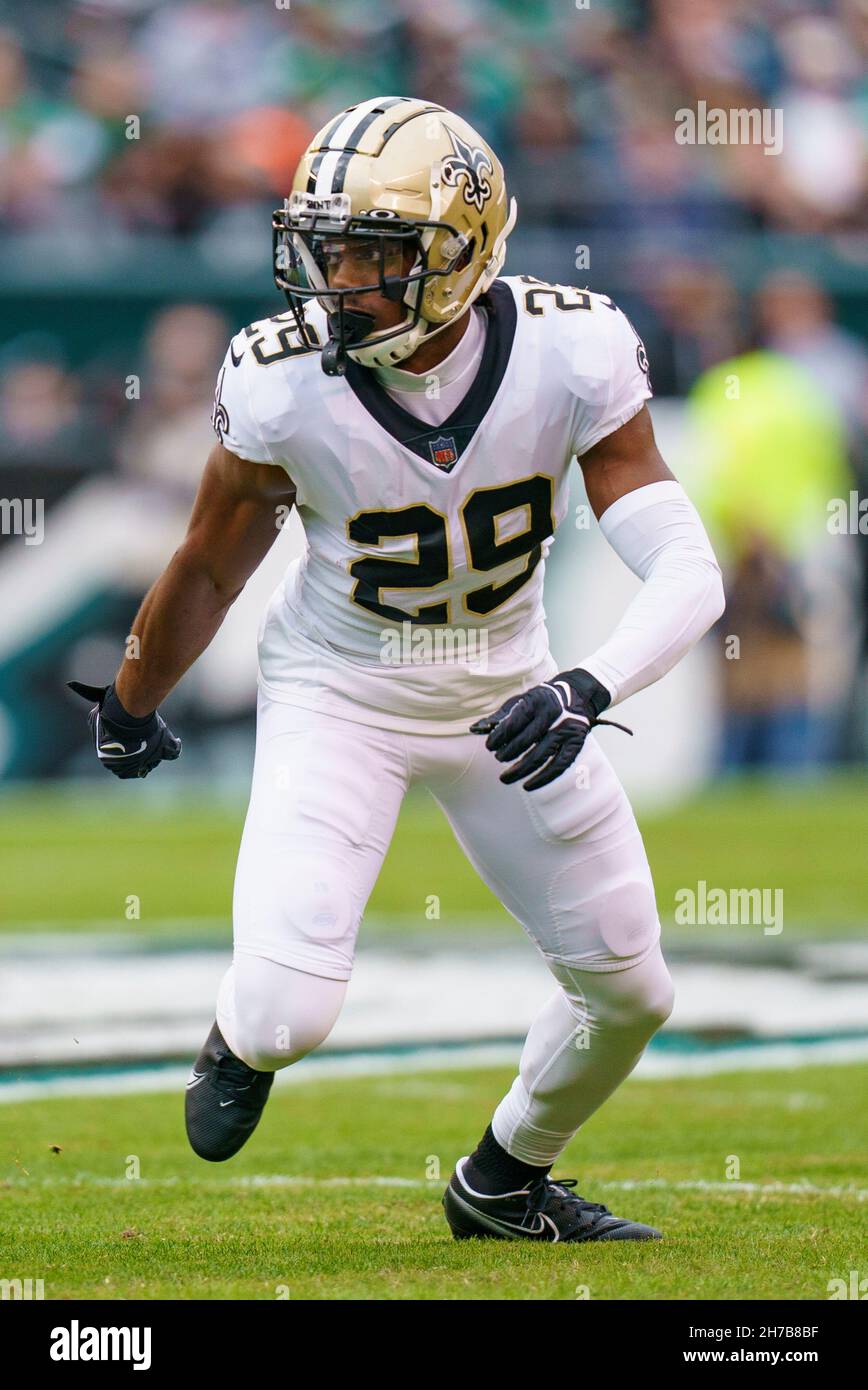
[(442, 445)]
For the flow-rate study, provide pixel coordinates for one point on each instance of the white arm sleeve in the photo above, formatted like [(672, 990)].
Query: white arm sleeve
[(657, 532)]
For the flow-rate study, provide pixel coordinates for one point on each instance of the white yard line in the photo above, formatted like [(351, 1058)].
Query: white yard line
[(779, 1056), (280, 1180)]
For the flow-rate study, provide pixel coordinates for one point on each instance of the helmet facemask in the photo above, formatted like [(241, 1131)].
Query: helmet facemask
[(309, 231)]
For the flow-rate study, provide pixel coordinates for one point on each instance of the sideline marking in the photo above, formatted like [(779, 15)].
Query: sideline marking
[(780, 1055)]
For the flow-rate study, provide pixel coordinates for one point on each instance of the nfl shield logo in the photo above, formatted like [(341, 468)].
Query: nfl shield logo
[(443, 451)]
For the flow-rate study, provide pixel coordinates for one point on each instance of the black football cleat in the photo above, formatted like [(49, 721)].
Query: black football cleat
[(545, 1209), (224, 1101)]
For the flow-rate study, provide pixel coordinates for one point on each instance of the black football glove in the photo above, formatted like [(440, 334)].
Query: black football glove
[(548, 724), (125, 745)]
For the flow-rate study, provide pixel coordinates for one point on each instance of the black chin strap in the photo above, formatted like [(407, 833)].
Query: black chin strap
[(347, 328), (333, 358)]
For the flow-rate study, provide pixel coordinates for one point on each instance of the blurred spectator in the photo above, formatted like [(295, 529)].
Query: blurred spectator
[(332, 56), (795, 317), (204, 59), (699, 309), (169, 435), (822, 166), (268, 142), (773, 451), (765, 686), (22, 111), (43, 422)]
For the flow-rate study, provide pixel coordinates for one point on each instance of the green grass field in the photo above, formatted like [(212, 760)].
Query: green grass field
[(285, 1219), (179, 858)]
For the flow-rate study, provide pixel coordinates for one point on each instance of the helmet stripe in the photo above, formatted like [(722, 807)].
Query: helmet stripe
[(355, 136), (331, 168), (333, 140), (338, 135), (321, 152)]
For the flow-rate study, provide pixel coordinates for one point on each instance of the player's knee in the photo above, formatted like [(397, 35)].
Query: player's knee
[(267, 1042), (280, 1013), (637, 1000), (658, 1000), (641, 999)]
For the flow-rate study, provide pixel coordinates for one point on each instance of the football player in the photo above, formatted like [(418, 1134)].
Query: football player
[(421, 412)]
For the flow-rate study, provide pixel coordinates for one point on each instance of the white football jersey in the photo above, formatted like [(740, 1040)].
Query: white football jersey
[(417, 603)]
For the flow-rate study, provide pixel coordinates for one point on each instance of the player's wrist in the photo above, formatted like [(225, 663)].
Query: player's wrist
[(116, 712), (587, 688)]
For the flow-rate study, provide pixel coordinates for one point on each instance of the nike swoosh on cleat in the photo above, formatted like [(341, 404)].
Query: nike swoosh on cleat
[(224, 1103), (496, 1223), (196, 1077), (544, 1222)]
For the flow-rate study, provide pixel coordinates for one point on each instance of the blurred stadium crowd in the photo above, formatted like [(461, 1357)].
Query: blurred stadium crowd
[(136, 130), (579, 104)]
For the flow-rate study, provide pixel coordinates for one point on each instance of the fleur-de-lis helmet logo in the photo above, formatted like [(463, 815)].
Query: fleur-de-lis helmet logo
[(469, 164)]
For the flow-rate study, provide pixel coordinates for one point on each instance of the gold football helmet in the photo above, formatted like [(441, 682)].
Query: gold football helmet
[(425, 196)]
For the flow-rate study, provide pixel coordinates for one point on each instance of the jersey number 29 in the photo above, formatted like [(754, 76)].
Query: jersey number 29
[(486, 549)]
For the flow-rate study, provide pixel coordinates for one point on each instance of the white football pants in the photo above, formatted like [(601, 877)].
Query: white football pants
[(567, 861)]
